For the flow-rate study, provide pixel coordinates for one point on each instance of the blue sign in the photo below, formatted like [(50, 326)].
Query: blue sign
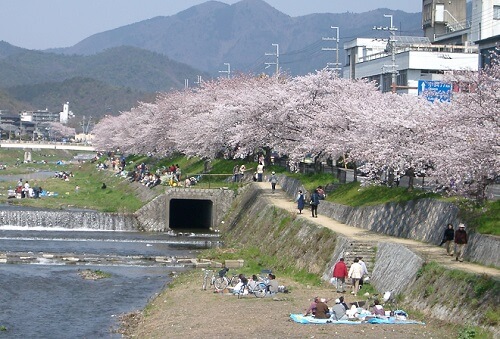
[(435, 90)]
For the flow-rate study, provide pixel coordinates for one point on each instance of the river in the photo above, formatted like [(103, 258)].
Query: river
[(44, 296)]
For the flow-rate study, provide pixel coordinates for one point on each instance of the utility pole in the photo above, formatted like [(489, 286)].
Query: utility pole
[(337, 40), (228, 71), (392, 47), (198, 82), (277, 63)]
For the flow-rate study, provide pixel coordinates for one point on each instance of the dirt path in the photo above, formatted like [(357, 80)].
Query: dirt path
[(427, 251)]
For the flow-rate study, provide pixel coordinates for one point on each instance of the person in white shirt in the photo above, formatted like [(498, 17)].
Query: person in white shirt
[(260, 171), (355, 273)]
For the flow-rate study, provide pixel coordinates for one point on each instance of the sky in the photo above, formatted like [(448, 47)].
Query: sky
[(42, 24)]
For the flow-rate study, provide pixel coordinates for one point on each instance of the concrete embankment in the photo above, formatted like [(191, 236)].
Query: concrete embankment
[(422, 220), (258, 219), (69, 218)]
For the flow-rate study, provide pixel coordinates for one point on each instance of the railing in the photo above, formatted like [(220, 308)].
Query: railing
[(423, 48)]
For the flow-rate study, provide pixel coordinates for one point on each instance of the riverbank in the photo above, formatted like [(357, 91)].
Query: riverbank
[(185, 310), (267, 221)]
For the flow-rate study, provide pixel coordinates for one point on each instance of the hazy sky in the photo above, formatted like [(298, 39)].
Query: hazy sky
[(41, 24)]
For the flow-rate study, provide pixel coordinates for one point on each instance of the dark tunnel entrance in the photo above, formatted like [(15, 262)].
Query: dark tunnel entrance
[(190, 214)]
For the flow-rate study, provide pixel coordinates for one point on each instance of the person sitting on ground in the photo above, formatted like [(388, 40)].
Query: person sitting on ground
[(252, 283), (312, 307), (272, 286), (377, 309), (343, 303), (322, 310), (242, 282), (338, 311)]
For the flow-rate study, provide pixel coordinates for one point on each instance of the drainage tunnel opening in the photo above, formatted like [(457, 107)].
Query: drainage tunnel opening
[(190, 213)]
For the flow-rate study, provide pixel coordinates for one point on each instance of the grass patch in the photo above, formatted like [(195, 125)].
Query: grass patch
[(482, 218), (352, 194), (117, 197), (311, 181), (255, 262)]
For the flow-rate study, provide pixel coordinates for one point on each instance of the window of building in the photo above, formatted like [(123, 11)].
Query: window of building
[(496, 12)]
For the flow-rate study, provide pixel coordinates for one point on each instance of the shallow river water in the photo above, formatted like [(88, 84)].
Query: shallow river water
[(45, 297)]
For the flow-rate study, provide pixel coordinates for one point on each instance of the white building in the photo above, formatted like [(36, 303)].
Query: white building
[(414, 59), (485, 27), (65, 114)]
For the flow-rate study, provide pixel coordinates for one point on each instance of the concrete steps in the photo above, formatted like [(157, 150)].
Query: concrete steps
[(360, 249)]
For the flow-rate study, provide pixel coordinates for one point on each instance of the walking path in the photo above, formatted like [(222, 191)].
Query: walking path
[(428, 252)]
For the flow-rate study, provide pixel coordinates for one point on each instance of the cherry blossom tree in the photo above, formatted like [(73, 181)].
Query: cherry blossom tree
[(327, 117), (464, 134), (58, 130)]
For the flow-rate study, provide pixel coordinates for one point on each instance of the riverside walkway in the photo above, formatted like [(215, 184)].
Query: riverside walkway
[(46, 145), (428, 252)]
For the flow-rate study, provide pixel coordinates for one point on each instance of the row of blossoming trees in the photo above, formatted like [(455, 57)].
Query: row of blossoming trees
[(456, 143)]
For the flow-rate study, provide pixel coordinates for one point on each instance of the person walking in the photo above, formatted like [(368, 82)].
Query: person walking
[(364, 272), (448, 237), (260, 171), (355, 273), (300, 201), (236, 173), (274, 180), (243, 168), (461, 242), (340, 273), (314, 203)]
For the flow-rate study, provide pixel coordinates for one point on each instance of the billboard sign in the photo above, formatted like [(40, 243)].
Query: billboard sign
[(435, 90)]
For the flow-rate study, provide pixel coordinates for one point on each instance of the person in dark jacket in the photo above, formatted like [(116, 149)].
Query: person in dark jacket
[(461, 242), (314, 203), (448, 237)]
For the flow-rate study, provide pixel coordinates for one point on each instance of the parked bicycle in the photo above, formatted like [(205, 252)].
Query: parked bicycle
[(255, 287), (222, 281), (208, 278)]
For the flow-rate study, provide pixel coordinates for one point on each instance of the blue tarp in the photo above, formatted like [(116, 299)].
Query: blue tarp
[(301, 319)]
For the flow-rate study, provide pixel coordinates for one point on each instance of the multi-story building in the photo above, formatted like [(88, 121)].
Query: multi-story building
[(485, 28), (399, 62)]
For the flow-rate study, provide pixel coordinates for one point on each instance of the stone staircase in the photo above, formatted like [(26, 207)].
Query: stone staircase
[(362, 249)]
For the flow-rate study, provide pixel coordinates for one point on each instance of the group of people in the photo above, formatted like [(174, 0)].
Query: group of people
[(24, 190), (239, 172), (455, 241), (272, 286), (357, 273), (317, 195)]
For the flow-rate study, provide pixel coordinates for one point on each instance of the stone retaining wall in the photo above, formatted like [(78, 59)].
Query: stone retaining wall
[(423, 220)]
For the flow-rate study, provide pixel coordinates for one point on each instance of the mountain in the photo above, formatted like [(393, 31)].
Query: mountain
[(108, 72), (104, 83), (123, 66), (213, 33), (87, 97)]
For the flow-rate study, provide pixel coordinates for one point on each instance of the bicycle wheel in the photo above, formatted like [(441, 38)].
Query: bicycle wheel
[(220, 283), (234, 280), (260, 291)]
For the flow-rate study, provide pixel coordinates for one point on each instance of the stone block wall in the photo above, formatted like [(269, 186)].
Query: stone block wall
[(423, 220)]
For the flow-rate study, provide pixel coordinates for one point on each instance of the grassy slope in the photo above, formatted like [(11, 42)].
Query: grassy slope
[(119, 196)]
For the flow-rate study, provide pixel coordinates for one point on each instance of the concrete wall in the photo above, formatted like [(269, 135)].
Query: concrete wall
[(69, 219), (423, 220), (301, 244), (154, 216)]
